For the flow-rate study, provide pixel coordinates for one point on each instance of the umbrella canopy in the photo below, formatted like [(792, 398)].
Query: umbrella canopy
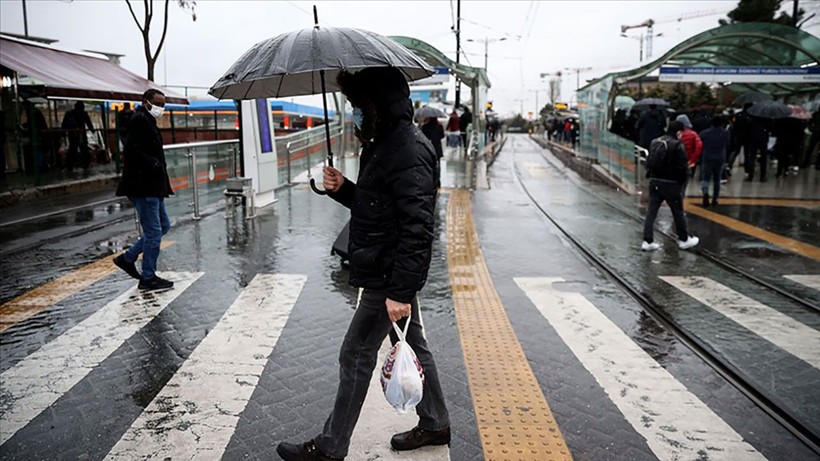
[(799, 112), (752, 97), (290, 64), (770, 109), (651, 102), (430, 112), (624, 101)]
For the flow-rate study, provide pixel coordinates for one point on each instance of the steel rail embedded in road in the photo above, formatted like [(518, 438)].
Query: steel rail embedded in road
[(727, 371)]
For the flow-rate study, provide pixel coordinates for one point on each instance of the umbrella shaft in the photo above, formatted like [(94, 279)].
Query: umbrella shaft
[(327, 124)]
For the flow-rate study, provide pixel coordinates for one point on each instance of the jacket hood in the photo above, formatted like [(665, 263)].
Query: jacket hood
[(684, 119)]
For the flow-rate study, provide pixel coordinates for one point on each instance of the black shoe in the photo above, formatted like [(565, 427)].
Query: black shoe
[(129, 268), (714, 202), (418, 437), (705, 200), (155, 283), (307, 451)]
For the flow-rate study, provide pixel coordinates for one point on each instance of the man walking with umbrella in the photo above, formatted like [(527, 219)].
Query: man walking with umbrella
[(391, 233)]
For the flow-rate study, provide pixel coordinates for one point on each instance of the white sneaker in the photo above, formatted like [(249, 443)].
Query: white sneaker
[(689, 243), (646, 246)]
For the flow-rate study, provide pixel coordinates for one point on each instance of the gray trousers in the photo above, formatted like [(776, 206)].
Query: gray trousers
[(357, 359)]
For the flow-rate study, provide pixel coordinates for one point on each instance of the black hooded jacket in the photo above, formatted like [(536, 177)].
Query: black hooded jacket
[(392, 204)]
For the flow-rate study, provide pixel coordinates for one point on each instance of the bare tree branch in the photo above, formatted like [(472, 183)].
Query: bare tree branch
[(164, 30), (133, 15), (149, 12)]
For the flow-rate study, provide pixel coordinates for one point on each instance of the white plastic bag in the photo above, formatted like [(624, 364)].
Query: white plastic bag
[(402, 377)]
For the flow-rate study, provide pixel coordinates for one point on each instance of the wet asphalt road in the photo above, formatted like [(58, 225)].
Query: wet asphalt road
[(297, 386)]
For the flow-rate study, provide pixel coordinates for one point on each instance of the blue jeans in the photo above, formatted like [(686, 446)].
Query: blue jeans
[(710, 172), (155, 224), (357, 359)]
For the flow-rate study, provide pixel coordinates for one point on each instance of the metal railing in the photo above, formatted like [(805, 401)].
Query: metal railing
[(199, 173), (298, 151)]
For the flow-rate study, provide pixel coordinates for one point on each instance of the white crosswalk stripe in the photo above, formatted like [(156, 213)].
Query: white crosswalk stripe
[(675, 423), (811, 281), (35, 383), (196, 413), (781, 330)]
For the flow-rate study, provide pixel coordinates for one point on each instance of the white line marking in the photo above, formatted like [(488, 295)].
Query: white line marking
[(811, 281), (674, 422), (781, 330), (36, 382), (195, 414), (379, 421)]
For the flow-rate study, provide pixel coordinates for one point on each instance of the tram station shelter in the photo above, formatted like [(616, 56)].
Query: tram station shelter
[(52, 79), (475, 78), (780, 60)]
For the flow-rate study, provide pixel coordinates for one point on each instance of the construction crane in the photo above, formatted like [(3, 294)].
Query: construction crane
[(650, 24)]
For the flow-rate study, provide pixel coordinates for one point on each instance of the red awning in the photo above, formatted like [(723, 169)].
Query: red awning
[(75, 75)]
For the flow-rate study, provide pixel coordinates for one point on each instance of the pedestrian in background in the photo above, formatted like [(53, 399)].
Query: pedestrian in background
[(691, 143), (433, 130), (463, 124), (75, 122), (453, 130), (667, 171), (789, 132), (814, 128), (146, 184), (391, 235), (123, 120), (715, 144), (650, 126)]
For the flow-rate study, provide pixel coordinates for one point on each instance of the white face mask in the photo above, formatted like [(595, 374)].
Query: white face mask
[(156, 111)]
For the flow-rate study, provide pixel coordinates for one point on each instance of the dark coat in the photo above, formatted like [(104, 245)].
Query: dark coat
[(675, 165), (435, 133), (144, 169), (650, 126), (392, 206)]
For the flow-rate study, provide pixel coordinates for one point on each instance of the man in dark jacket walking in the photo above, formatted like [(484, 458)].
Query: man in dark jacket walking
[(391, 234), (650, 126), (433, 130), (75, 122), (146, 184), (464, 122), (666, 182)]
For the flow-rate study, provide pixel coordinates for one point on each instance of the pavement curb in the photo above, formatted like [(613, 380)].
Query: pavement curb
[(27, 194)]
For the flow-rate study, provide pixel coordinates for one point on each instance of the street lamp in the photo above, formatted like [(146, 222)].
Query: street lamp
[(578, 71), (487, 41)]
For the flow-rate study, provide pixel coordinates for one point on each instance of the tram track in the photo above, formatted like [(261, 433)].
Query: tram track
[(722, 262), (728, 371)]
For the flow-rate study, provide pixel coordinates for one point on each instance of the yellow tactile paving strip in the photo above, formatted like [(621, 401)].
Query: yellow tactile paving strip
[(41, 298), (514, 419), (796, 246)]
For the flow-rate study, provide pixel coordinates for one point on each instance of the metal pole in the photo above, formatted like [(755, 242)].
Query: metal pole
[(458, 50), (486, 43), (192, 174), (25, 19), (795, 11)]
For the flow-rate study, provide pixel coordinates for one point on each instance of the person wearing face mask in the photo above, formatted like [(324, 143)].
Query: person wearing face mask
[(392, 216), (146, 184)]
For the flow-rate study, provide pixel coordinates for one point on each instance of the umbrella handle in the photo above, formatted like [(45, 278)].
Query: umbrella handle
[(316, 189)]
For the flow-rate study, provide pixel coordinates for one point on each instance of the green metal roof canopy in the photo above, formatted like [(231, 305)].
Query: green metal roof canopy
[(746, 44), (469, 75)]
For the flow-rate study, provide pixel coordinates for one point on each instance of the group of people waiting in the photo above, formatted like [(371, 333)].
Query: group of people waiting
[(563, 129)]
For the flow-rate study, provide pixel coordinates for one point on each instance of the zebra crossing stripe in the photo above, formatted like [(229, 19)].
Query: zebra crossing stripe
[(378, 422), (36, 382), (811, 281), (195, 414), (781, 330), (674, 422)]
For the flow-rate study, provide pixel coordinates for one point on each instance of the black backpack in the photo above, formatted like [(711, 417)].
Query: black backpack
[(657, 154)]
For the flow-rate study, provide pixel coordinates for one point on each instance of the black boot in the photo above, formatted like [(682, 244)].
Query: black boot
[(307, 451), (706, 200), (129, 268), (418, 437)]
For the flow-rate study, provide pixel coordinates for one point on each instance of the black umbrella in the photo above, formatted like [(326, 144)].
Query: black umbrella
[(307, 61), (430, 112), (651, 102), (752, 97), (770, 109)]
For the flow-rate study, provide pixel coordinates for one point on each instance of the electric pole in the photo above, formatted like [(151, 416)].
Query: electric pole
[(458, 51), (795, 11), (25, 19)]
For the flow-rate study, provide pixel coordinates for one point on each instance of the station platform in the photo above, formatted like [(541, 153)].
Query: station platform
[(542, 353)]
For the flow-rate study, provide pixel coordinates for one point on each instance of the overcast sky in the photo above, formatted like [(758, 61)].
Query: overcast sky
[(541, 36)]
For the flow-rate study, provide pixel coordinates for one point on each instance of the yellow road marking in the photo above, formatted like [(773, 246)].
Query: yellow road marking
[(41, 298), (796, 246), (762, 202), (514, 419)]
